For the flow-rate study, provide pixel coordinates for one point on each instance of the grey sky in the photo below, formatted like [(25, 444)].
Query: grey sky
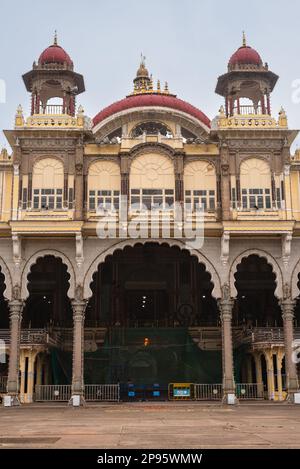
[(188, 43)]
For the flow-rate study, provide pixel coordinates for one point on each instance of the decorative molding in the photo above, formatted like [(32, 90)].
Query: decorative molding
[(17, 249), (7, 293)]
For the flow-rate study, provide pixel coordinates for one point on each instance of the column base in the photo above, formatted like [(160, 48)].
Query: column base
[(77, 400), (11, 400), (230, 399)]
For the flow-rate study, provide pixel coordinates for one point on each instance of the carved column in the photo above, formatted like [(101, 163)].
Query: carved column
[(226, 306), (287, 308), (178, 169), (79, 183), (78, 349), (15, 316), (225, 182)]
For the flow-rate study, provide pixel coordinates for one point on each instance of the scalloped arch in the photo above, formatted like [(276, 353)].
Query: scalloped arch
[(294, 281), (262, 254), (33, 260), (215, 279), (7, 280)]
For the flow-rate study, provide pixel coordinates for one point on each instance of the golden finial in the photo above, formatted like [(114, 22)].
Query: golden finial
[(151, 83), (158, 86), (143, 59), (55, 38), (244, 39), (166, 90)]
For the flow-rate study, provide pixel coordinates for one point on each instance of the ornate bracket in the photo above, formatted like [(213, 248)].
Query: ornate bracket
[(225, 247), (17, 249), (79, 250), (286, 243)]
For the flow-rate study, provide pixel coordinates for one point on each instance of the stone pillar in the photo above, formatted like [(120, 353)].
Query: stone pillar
[(225, 306), (287, 308), (30, 376), (270, 374), (15, 316), (279, 375), (259, 377), (78, 351)]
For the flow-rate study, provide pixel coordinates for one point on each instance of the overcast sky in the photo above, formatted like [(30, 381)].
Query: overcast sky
[(188, 43)]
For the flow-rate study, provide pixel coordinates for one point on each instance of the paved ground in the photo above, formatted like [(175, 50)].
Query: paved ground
[(151, 425)]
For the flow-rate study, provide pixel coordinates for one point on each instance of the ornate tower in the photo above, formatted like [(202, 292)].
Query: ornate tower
[(248, 83), (53, 77)]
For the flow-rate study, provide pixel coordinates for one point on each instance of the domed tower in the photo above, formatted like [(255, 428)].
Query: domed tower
[(53, 77), (248, 83), (142, 81)]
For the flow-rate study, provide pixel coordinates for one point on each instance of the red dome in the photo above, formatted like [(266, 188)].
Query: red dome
[(55, 54), (245, 55), (151, 100)]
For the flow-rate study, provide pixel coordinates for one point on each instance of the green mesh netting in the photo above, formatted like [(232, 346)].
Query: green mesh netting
[(171, 356)]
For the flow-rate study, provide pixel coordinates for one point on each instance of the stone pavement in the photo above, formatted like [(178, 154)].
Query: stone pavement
[(151, 425)]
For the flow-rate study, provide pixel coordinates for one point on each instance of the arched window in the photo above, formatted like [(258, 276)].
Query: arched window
[(152, 182), (48, 184), (104, 185), (200, 185), (255, 179), (151, 128)]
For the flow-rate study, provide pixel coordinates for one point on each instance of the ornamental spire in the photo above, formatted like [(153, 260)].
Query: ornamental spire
[(55, 38), (244, 39)]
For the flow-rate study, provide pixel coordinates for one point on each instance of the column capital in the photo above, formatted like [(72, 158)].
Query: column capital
[(78, 307), (287, 307), (225, 306), (15, 308)]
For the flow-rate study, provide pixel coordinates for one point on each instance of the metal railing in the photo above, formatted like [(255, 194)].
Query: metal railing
[(33, 336), (246, 110), (249, 391), (52, 109), (63, 392), (208, 392), (53, 392), (102, 392), (3, 383)]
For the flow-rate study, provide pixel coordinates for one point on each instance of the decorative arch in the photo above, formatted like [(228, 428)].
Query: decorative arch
[(262, 254), (215, 279), (48, 173), (295, 292), (33, 260), (255, 172), (152, 171), (200, 174), (104, 174), (117, 120), (7, 280)]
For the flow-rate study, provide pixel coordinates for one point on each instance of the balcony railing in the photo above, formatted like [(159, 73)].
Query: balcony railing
[(247, 110), (52, 109), (33, 337)]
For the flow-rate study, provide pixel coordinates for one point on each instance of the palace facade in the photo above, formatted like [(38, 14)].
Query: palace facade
[(79, 310)]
